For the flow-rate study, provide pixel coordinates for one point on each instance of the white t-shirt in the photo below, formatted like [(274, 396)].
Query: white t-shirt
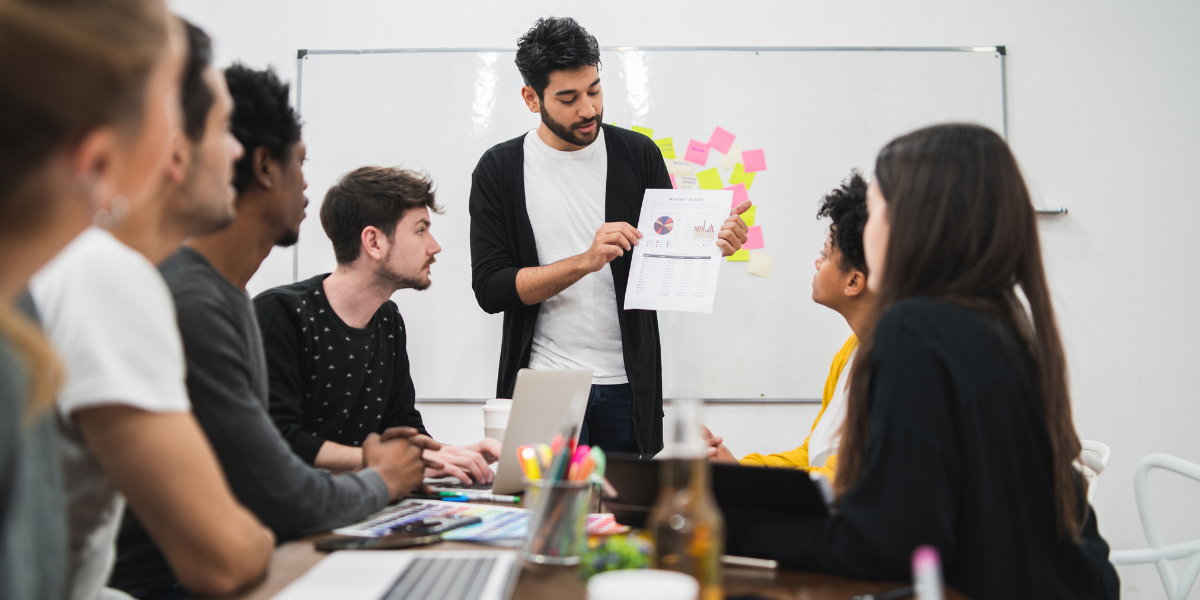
[(564, 194), (825, 437), (111, 317)]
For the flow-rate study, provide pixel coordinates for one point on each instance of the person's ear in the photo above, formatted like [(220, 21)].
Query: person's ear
[(181, 156), (264, 168), (856, 284), (92, 163), (531, 99), (374, 243)]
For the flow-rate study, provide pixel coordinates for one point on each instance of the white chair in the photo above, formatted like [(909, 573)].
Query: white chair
[(1091, 463), (1159, 553)]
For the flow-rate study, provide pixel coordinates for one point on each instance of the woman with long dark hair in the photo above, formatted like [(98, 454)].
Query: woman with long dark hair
[(958, 431)]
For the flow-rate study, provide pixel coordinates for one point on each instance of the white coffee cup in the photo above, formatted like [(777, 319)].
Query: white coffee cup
[(495, 418), (643, 584)]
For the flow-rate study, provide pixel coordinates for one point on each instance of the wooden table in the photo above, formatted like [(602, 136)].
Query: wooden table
[(293, 559)]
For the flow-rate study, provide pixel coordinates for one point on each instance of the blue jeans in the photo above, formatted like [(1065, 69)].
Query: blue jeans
[(608, 422)]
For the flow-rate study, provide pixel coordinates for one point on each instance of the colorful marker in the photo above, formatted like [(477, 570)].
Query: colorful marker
[(529, 462), (576, 460)]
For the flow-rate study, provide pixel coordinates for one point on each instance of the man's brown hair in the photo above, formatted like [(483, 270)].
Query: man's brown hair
[(372, 197)]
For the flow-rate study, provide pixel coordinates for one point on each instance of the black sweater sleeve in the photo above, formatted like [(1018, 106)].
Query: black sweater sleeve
[(493, 264), (282, 344)]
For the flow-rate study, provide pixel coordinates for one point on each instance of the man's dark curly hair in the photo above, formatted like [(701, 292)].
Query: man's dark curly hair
[(261, 117), (554, 44), (847, 207)]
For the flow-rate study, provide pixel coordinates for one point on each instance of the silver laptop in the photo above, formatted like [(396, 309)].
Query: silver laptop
[(543, 401), (408, 575)]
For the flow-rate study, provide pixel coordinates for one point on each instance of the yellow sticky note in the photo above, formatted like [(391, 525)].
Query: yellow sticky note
[(667, 147), (760, 264), (710, 179), (646, 131), (739, 256), (741, 176), (748, 216)]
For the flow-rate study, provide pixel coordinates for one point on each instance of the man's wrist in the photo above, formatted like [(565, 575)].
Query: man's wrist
[(579, 266)]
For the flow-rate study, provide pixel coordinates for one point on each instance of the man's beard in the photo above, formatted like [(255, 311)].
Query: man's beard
[(392, 280), (288, 239), (568, 134)]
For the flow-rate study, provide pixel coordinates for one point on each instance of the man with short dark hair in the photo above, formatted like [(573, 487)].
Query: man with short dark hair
[(226, 368), (553, 223), (336, 343)]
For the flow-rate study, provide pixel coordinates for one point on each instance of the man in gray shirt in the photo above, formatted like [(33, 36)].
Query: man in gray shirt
[(226, 367)]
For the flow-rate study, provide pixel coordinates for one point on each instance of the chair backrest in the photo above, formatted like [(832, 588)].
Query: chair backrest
[(1177, 587), (1091, 463)]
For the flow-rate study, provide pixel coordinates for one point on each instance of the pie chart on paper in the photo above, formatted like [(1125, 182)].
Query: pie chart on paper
[(663, 225)]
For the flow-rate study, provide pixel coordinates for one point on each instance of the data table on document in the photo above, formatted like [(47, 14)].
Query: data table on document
[(676, 262)]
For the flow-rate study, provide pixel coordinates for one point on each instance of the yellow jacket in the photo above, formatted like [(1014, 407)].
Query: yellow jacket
[(798, 458)]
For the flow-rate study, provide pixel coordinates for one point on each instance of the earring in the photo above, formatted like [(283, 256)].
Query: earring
[(112, 218)]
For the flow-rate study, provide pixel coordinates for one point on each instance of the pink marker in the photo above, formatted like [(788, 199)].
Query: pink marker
[(927, 573)]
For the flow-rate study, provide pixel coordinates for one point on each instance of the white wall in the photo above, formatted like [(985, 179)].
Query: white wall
[(1102, 113)]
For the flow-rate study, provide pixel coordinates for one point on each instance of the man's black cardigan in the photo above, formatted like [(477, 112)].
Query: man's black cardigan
[(502, 243)]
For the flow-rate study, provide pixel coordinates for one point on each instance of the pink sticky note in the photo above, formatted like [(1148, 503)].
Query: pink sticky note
[(674, 184), (697, 152), (753, 238), (754, 161), (739, 194), (721, 140)]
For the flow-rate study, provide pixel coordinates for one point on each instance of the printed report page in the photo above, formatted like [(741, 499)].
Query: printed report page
[(676, 263)]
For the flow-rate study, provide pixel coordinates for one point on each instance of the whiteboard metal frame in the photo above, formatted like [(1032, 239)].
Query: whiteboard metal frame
[(1001, 50)]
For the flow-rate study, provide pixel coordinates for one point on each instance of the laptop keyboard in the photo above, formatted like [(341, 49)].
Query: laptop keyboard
[(442, 579)]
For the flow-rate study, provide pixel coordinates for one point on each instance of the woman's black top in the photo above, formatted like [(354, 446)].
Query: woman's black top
[(958, 456)]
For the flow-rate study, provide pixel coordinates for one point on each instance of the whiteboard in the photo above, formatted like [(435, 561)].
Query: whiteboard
[(817, 113)]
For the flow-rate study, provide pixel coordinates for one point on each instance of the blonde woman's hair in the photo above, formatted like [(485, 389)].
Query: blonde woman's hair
[(69, 67)]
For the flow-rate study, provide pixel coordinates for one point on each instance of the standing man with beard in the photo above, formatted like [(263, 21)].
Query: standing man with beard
[(336, 343), (553, 224)]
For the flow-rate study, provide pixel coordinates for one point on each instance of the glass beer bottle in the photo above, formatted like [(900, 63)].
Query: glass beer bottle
[(685, 524)]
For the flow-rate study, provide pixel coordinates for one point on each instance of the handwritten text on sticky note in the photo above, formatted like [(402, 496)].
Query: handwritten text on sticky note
[(667, 147), (697, 152)]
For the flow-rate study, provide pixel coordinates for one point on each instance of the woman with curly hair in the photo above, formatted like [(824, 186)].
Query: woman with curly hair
[(840, 283)]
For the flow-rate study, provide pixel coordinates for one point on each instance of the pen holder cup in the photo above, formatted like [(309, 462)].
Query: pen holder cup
[(558, 530)]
